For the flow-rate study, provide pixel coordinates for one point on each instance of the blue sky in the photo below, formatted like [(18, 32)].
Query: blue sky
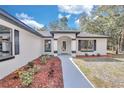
[(42, 15)]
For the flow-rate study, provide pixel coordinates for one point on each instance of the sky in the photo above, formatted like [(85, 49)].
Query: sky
[(42, 15)]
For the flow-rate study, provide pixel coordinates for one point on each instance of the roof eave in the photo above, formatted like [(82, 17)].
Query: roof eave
[(92, 37), (12, 18)]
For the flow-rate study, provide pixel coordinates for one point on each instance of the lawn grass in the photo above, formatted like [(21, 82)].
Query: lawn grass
[(101, 59), (83, 68), (98, 82), (102, 72)]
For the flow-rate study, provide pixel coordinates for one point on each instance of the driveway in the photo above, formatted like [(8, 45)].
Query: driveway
[(71, 75)]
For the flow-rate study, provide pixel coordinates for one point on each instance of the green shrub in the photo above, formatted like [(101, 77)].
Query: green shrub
[(26, 77)]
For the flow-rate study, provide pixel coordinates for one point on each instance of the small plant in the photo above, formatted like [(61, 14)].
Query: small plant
[(86, 54), (43, 59), (35, 69), (51, 55), (26, 78), (93, 55), (98, 54)]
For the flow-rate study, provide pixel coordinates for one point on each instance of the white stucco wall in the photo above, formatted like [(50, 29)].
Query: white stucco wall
[(101, 46), (30, 48), (58, 35)]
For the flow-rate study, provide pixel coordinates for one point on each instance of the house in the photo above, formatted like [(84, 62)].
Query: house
[(19, 43)]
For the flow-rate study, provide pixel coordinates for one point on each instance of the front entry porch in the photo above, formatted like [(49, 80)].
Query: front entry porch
[(64, 45)]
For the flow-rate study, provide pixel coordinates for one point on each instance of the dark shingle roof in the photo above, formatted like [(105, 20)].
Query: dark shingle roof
[(45, 34), (88, 35)]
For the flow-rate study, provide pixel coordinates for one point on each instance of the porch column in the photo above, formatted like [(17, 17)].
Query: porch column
[(73, 47), (55, 47)]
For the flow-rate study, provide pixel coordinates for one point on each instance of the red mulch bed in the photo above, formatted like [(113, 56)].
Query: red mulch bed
[(49, 76)]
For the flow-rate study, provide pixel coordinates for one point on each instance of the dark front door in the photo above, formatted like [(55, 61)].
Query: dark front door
[(64, 47)]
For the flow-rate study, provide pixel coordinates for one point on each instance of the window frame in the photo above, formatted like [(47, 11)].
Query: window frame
[(45, 49), (10, 56), (86, 50)]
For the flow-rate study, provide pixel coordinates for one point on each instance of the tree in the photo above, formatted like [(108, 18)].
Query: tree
[(106, 20), (61, 24), (64, 23), (54, 25)]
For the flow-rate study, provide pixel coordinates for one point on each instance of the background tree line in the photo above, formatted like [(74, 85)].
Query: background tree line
[(106, 20)]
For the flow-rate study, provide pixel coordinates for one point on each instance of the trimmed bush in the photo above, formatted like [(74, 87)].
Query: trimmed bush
[(98, 54), (93, 54), (86, 54)]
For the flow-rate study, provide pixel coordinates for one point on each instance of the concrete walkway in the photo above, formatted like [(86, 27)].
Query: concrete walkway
[(71, 75)]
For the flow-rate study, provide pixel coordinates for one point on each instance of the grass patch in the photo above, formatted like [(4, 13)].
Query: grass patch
[(98, 82), (105, 59), (102, 73), (83, 68)]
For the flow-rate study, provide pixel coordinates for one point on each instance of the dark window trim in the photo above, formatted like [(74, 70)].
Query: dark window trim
[(73, 51), (94, 45), (73, 39), (55, 39), (56, 51), (16, 43), (7, 58), (45, 45)]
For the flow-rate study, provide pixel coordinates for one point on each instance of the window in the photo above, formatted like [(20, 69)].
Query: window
[(64, 45), (16, 40), (87, 45), (5, 42), (47, 45)]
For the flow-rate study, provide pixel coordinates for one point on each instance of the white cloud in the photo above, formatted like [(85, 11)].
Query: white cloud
[(60, 16), (29, 21), (23, 16), (75, 9), (68, 16), (77, 22), (95, 17)]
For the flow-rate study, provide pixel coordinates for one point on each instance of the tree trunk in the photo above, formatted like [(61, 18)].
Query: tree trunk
[(117, 50)]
